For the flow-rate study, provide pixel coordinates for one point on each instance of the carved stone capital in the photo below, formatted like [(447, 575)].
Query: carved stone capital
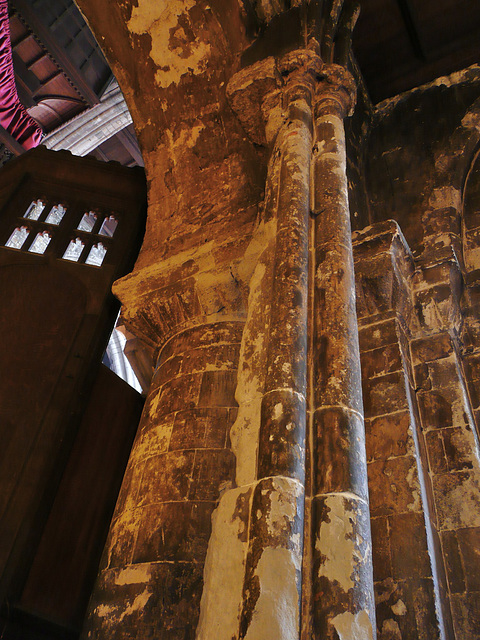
[(336, 92), (270, 85), (300, 71)]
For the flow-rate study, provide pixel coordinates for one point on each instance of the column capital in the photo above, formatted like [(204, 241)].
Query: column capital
[(300, 71), (336, 92), (261, 89)]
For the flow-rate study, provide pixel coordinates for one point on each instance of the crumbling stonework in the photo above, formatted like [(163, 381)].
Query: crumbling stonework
[(307, 463)]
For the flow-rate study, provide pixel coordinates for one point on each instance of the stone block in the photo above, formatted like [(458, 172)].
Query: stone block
[(466, 615), (281, 447), (406, 609), (457, 496), (435, 410), (381, 361), (339, 452), (167, 477), (201, 428), (469, 543), (408, 542), (166, 371), (388, 436), (385, 394), (377, 335), (393, 486), (147, 600), (213, 471), (218, 389), (453, 561), (223, 356), (177, 394), (121, 539), (436, 453), (174, 531), (382, 561), (203, 335), (460, 448)]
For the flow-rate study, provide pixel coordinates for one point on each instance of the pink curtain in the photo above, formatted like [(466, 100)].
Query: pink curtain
[(13, 115)]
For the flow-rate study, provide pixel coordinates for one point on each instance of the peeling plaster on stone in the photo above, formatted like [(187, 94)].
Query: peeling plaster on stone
[(277, 411), (459, 506), (335, 542), (250, 381), (399, 608), (412, 481), (224, 570), (283, 506), (104, 611), (152, 411), (391, 630), (277, 611), (137, 605), (133, 574), (444, 197), (160, 20), (353, 627), (187, 137), (432, 315), (471, 120)]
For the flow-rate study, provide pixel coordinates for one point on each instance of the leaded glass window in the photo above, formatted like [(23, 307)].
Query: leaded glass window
[(35, 209), (87, 222), (56, 214), (40, 243), (18, 237), (108, 226), (74, 250), (96, 255)]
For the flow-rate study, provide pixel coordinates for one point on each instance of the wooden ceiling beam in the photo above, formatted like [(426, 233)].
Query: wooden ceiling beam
[(59, 54), (10, 142), (411, 25), (131, 145)]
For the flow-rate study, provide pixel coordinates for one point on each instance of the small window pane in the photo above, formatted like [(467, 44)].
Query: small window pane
[(87, 222), (96, 255), (34, 210), (17, 238), (40, 243), (74, 250), (56, 214), (108, 226)]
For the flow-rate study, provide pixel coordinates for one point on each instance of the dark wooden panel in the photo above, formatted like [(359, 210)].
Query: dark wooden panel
[(65, 566)]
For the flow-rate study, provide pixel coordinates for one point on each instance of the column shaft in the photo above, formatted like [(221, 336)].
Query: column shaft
[(276, 526), (343, 604)]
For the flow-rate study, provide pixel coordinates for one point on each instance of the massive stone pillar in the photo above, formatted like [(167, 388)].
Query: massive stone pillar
[(342, 595), (151, 576)]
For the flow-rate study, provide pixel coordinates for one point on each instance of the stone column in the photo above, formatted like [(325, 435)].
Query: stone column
[(151, 576), (343, 602), (272, 586)]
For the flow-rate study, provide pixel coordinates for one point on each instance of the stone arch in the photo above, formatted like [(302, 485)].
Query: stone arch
[(443, 218)]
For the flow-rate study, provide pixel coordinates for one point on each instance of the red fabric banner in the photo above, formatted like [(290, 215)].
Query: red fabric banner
[(13, 115)]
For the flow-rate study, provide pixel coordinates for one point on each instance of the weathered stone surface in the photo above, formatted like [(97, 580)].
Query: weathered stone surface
[(282, 435), (388, 436), (340, 564), (340, 450)]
